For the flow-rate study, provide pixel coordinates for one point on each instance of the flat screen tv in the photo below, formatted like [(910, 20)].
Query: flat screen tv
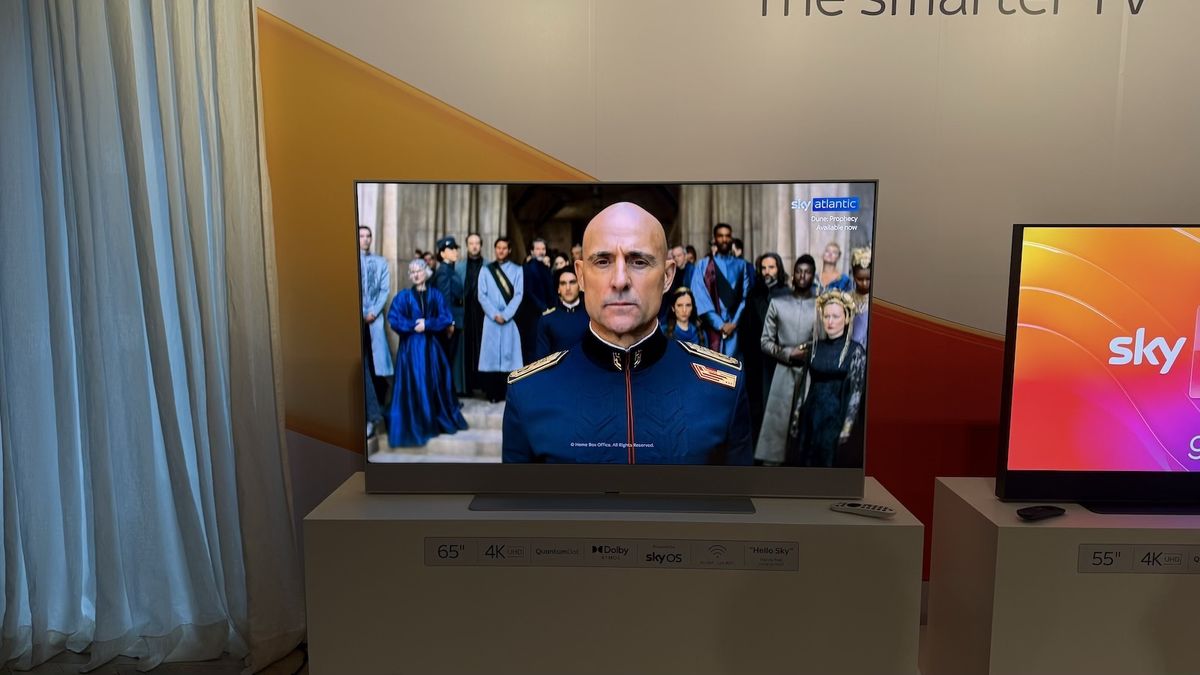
[(641, 339), (1102, 383)]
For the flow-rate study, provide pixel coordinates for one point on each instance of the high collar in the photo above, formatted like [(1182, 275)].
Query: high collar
[(638, 356), (573, 306)]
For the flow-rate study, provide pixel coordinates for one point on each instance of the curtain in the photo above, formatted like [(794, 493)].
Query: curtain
[(143, 501), (405, 217), (762, 216)]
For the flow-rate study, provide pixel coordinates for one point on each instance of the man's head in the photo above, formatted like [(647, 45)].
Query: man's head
[(679, 255), (770, 269), (723, 238), (624, 272), (474, 245), (447, 250), (567, 283), (418, 271), (501, 249), (803, 273), (577, 252), (364, 238), (737, 247), (539, 248), (429, 259), (691, 253)]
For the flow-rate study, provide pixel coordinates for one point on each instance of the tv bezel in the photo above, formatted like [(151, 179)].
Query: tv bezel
[(658, 479), (1116, 487)]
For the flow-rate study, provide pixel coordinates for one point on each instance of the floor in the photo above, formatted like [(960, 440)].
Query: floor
[(69, 664)]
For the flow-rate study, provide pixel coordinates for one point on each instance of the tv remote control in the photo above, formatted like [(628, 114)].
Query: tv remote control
[(860, 509)]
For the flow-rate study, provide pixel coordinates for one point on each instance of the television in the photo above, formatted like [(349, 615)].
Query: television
[(677, 354), (1101, 400)]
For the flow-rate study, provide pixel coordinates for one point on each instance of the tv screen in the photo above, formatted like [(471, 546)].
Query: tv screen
[(1103, 383), (678, 338)]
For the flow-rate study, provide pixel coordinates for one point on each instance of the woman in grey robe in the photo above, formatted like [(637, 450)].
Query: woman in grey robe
[(787, 337)]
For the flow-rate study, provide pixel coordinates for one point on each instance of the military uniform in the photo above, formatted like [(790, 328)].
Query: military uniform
[(659, 402), (560, 328)]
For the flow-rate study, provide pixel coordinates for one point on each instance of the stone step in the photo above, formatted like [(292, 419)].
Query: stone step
[(483, 415), (462, 446)]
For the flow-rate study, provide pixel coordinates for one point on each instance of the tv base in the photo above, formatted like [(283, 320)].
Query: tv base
[(612, 502), (422, 584), (1079, 593), (1131, 508)]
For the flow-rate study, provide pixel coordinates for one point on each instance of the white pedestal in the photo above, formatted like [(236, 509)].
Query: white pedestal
[(844, 599), (1080, 593)]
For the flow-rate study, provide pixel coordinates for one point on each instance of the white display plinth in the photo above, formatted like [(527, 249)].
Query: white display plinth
[(379, 600), (1078, 593)]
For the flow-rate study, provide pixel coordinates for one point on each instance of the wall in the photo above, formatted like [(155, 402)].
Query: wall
[(971, 123)]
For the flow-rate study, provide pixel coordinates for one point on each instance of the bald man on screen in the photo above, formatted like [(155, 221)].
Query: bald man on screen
[(626, 394)]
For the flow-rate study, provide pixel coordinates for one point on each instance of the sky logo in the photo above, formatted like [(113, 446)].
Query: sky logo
[(827, 204), (1148, 352)]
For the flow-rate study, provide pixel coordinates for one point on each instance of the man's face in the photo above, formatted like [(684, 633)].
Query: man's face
[(539, 250), (576, 252), (723, 239), (804, 276), (450, 255), (624, 271), (416, 274), (501, 251), (474, 245), (768, 268), (364, 239), (568, 287), (737, 250), (691, 257), (429, 260), (680, 256), (862, 281)]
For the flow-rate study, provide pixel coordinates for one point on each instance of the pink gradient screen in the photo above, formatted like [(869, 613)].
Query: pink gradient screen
[(1106, 374)]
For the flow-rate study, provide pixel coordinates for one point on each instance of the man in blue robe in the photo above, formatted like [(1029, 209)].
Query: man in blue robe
[(626, 394), (501, 290), (447, 280), (375, 282), (563, 325), (721, 284)]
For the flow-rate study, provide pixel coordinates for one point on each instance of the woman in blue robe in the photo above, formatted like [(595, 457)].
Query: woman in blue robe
[(423, 400)]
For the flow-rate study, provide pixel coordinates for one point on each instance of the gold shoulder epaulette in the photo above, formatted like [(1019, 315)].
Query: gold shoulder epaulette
[(548, 311), (537, 366), (715, 376), (705, 352)]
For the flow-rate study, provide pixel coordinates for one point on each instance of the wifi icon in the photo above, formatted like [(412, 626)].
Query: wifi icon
[(717, 551)]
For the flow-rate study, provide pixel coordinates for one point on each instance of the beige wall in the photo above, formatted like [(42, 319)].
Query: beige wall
[(970, 123)]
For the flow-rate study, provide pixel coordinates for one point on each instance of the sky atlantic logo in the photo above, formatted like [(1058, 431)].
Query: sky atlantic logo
[(827, 204)]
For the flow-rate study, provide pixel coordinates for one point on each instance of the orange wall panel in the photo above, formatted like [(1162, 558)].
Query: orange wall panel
[(330, 119)]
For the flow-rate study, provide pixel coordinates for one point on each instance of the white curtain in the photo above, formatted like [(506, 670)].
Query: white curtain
[(143, 502)]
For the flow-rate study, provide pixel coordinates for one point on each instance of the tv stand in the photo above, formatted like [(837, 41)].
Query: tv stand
[(611, 501), (420, 583)]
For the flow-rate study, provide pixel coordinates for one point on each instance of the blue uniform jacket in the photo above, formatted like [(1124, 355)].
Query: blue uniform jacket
[(561, 327), (659, 402)]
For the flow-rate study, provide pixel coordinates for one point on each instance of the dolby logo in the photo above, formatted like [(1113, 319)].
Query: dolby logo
[(609, 550)]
